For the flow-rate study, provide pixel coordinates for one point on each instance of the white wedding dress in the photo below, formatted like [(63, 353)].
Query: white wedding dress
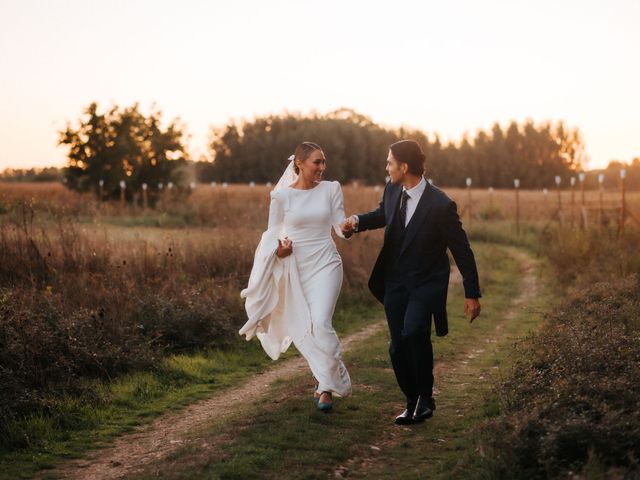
[(293, 299)]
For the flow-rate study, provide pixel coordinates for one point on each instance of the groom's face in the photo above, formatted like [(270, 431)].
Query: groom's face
[(394, 169)]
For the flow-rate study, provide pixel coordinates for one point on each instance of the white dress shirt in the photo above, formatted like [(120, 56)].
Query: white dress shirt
[(414, 197)]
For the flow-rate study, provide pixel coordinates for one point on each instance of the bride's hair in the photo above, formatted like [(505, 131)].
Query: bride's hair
[(409, 152), (302, 152)]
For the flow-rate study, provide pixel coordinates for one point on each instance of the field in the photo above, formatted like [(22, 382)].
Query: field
[(218, 206), (112, 316)]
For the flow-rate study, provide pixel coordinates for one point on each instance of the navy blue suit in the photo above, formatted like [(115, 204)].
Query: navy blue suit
[(411, 278)]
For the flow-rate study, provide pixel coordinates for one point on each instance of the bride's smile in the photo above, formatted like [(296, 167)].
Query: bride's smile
[(311, 170)]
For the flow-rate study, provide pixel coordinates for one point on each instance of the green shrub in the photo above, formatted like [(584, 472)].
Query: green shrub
[(572, 398)]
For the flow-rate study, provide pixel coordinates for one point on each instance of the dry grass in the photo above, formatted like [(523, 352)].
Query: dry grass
[(536, 206), (93, 292), (569, 408), (240, 205), (571, 402)]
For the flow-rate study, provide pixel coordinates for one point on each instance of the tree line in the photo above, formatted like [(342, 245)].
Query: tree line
[(46, 174), (125, 145), (356, 149)]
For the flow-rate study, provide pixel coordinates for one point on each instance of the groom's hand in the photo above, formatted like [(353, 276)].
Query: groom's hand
[(471, 308), (349, 226)]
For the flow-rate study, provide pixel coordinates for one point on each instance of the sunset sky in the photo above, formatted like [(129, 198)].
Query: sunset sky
[(448, 66)]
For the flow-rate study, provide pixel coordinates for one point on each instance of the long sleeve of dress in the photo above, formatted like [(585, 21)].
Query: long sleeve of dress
[(273, 293), (337, 208), (276, 212)]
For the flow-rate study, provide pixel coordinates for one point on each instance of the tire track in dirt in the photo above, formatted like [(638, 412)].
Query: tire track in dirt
[(132, 452)]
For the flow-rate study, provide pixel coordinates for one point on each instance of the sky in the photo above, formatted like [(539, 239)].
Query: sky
[(445, 67)]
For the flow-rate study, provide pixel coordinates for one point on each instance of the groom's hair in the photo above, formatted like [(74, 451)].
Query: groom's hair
[(409, 152), (303, 151)]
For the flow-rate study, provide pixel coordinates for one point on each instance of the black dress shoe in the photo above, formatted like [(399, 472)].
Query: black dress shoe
[(424, 409), (406, 417)]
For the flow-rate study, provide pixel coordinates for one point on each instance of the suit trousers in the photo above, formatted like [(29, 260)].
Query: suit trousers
[(410, 348)]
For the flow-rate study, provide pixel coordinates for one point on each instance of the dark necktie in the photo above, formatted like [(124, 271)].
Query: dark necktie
[(403, 209)]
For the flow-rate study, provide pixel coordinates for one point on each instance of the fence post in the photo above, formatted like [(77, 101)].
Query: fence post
[(583, 211), (123, 187), (100, 192), (145, 197), (469, 198), (516, 184), (160, 195), (572, 182), (623, 206), (601, 202), (558, 182)]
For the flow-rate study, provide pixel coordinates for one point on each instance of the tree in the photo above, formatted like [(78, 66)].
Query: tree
[(122, 145), (356, 149)]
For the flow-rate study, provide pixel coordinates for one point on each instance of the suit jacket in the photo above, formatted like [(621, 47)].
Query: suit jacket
[(434, 227)]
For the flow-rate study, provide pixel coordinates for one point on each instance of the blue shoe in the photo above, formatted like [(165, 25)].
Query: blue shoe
[(325, 406)]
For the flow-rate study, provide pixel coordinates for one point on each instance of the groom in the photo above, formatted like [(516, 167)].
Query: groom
[(411, 274)]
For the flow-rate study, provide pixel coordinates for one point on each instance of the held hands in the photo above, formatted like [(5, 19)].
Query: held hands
[(471, 308), (349, 226), (285, 247)]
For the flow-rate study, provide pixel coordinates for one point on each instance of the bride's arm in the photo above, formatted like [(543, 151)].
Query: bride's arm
[(283, 247), (337, 209)]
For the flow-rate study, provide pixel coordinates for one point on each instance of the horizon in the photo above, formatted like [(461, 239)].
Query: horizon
[(471, 66)]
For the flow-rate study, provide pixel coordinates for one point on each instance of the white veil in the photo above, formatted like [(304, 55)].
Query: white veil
[(288, 177)]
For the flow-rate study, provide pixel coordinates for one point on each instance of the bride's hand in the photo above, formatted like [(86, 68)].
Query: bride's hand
[(349, 226), (285, 247)]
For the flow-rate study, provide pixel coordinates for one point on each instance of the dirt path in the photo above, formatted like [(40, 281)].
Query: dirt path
[(132, 452), (150, 444), (450, 376)]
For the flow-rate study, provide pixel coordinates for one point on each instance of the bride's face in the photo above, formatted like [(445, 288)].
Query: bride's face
[(313, 167)]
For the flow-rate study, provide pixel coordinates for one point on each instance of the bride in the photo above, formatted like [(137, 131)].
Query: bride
[(297, 273)]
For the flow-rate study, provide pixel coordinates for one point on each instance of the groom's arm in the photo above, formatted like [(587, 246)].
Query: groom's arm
[(372, 220), (458, 243)]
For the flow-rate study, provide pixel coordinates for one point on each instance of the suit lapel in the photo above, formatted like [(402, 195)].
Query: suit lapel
[(393, 205), (418, 217)]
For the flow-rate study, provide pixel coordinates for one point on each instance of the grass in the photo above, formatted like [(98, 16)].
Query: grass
[(291, 436), (71, 426), (163, 278), (74, 424), (441, 451), (196, 231)]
